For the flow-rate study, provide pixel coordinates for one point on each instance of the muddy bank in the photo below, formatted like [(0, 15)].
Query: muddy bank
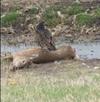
[(77, 21), (54, 68), (66, 33)]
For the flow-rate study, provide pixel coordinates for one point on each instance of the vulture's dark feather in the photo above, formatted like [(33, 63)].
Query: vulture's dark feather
[(44, 37)]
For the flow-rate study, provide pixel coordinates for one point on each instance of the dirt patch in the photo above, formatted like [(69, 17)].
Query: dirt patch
[(54, 68), (93, 62)]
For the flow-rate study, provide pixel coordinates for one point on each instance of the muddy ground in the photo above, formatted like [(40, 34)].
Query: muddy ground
[(89, 60), (54, 68)]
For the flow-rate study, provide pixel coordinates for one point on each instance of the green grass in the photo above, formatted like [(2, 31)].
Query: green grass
[(33, 10), (9, 18), (97, 12), (84, 19), (51, 91), (59, 7), (67, 82), (75, 9), (50, 17), (48, 93)]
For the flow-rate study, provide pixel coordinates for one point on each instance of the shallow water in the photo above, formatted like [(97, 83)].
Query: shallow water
[(90, 50)]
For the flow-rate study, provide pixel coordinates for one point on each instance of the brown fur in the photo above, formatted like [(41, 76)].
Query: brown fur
[(65, 52), (22, 58), (38, 55)]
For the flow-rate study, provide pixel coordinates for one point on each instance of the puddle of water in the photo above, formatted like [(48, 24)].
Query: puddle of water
[(84, 50), (88, 51), (12, 48)]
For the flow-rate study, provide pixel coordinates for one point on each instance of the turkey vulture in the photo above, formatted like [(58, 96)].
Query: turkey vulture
[(44, 37)]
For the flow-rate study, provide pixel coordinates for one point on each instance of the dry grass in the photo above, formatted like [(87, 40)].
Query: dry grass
[(54, 82), (64, 81)]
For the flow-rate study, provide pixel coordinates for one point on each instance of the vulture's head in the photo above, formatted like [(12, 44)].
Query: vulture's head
[(41, 25)]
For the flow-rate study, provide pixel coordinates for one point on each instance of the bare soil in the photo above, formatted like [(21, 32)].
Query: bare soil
[(54, 68)]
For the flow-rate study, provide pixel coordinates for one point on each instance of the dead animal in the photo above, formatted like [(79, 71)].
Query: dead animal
[(38, 55), (22, 58), (65, 52)]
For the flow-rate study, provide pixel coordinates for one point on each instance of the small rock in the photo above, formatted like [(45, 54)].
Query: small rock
[(96, 67), (57, 62), (84, 64), (92, 51)]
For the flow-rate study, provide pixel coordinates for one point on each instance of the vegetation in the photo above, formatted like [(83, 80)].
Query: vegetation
[(9, 18), (60, 7), (59, 83), (75, 9), (84, 19), (33, 10), (51, 18), (97, 12), (49, 93)]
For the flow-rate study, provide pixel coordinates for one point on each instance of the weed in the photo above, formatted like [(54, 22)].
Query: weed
[(97, 12), (61, 8), (9, 18), (51, 18), (84, 19), (75, 9), (34, 10)]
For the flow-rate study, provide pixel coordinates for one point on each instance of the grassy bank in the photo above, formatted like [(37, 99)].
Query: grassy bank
[(68, 81), (82, 20), (50, 15)]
